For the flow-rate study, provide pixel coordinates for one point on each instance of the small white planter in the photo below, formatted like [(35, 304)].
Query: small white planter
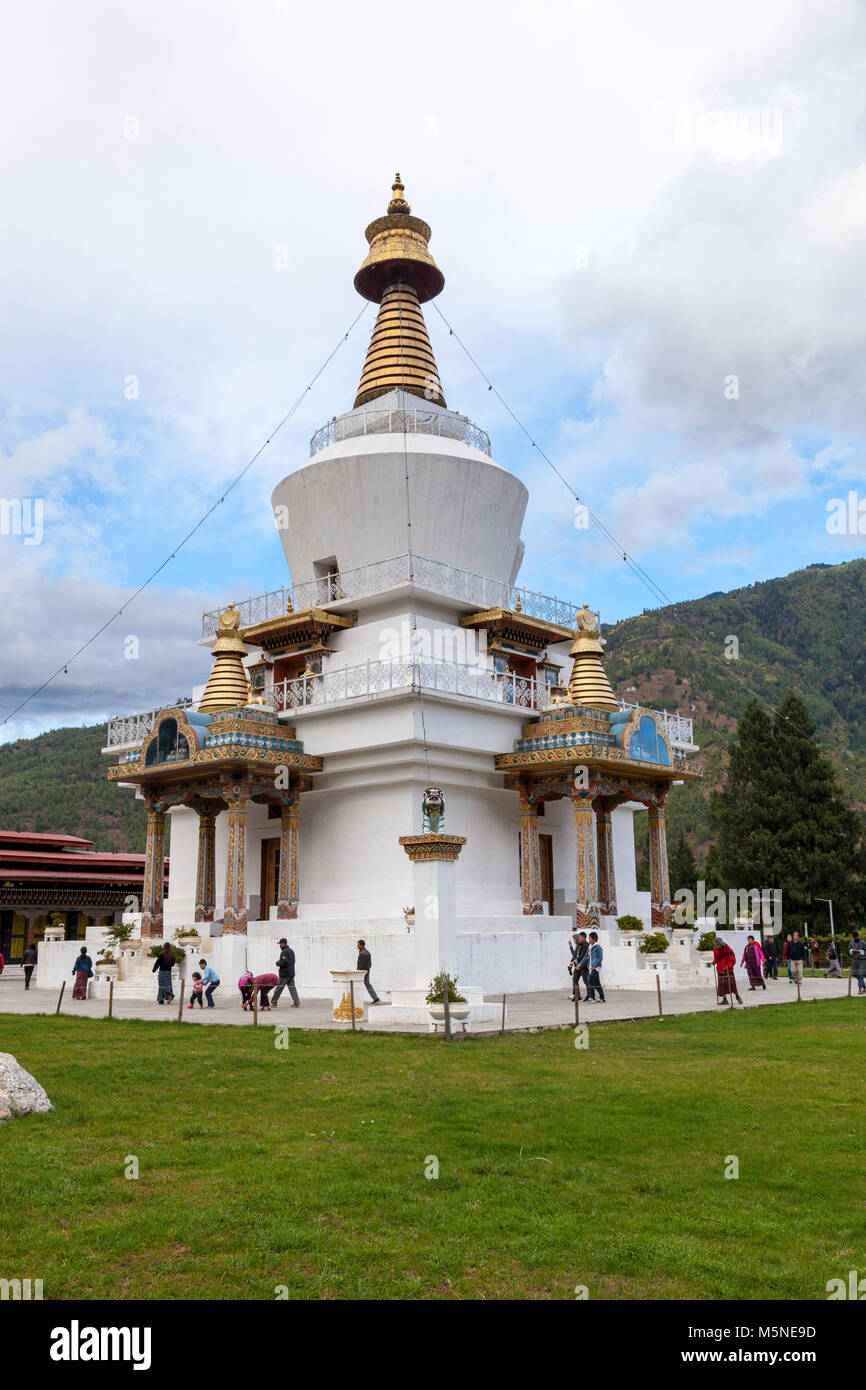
[(653, 957), (105, 972), (706, 957), (459, 1013)]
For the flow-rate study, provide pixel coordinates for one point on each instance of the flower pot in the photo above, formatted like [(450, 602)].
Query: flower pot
[(409, 918), (706, 957), (459, 1012), (106, 972), (653, 956)]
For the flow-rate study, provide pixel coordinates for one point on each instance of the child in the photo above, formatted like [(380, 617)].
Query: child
[(197, 990)]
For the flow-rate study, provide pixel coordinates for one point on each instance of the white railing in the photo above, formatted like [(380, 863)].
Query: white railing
[(134, 728), (447, 424), (476, 590), (378, 677)]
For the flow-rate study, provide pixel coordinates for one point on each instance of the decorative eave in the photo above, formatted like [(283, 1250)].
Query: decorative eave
[(512, 626), (309, 625), (610, 760)]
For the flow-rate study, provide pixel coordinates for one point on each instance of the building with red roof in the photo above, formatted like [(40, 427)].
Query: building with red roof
[(60, 880)]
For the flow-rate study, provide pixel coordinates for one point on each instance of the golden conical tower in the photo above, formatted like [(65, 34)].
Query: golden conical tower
[(400, 275), (228, 686), (588, 684)]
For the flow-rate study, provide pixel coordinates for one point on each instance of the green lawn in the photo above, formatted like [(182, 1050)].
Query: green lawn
[(558, 1167)]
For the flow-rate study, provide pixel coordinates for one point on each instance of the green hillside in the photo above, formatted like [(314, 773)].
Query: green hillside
[(805, 632), (58, 781)]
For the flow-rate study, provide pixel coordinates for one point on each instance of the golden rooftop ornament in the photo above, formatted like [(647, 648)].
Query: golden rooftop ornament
[(400, 275), (589, 685), (228, 684)]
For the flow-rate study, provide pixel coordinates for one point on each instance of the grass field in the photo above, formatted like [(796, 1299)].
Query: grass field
[(558, 1167)]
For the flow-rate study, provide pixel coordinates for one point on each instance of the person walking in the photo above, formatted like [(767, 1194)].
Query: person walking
[(594, 959), (162, 968), (28, 960), (2, 963), (833, 966), (815, 952), (771, 958), (286, 969), (785, 958), (581, 971), (797, 956), (365, 963), (753, 959), (81, 973), (724, 960), (210, 981), (857, 952), (572, 948)]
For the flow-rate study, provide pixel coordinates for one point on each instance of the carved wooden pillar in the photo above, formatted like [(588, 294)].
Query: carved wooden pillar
[(287, 893), (530, 857), (205, 885), (154, 874), (604, 847), (29, 921), (660, 892), (235, 917), (586, 887)]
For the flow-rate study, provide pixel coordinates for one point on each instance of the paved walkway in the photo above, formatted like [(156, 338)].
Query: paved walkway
[(523, 1011)]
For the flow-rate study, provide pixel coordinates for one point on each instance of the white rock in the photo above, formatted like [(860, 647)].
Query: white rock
[(20, 1093)]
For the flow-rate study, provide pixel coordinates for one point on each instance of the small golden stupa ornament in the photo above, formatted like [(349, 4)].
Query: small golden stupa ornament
[(228, 685), (400, 275), (588, 684)]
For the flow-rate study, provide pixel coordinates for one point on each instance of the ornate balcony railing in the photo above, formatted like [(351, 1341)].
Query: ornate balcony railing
[(396, 673), (414, 420), (378, 677), (134, 728), (477, 590)]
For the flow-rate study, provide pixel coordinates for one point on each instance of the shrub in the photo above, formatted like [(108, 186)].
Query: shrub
[(707, 941), (441, 984), (629, 923), (655, 941), (177, 951)]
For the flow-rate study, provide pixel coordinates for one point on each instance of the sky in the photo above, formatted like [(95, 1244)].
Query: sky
[(652, 224)]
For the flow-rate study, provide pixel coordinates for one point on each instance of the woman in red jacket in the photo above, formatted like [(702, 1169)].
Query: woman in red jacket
[(724, 960)]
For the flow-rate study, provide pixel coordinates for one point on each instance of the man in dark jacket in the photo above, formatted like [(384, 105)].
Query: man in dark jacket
[(796, 956), (365, 961), (857, 952), (580, 958), (28, 960), (286, 969), (771, 958)]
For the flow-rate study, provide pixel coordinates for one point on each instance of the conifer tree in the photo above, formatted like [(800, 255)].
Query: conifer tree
[(683, 871), (780, 818)]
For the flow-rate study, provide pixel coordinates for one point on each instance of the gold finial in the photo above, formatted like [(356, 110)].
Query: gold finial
[(518, 607), (290, 607), (228, 686), (400, 275), (588, 684), (398, 202)]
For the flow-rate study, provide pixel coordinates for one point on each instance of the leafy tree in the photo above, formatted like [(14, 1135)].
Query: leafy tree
[(683, 871)]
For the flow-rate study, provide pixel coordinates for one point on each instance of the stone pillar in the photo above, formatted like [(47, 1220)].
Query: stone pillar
[(586, 886), (530, 859), (235, 916), (205, 884), (287, 895), (606, 871), (433, 859), (154, 875), (660, 892)]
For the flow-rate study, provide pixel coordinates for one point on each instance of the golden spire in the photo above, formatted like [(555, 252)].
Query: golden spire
[(228, 685), (399, 274), (588, 684)]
